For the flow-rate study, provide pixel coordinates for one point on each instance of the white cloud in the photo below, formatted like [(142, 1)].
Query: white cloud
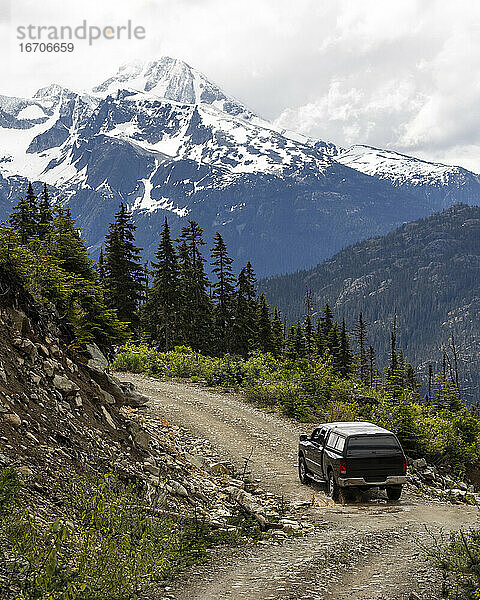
[(397, 73)]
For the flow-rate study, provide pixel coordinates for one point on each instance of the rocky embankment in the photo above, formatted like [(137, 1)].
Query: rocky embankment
[(192, 476), (61, 410), (439, 482)]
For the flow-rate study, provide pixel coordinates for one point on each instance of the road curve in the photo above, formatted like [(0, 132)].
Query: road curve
[(368, 551)]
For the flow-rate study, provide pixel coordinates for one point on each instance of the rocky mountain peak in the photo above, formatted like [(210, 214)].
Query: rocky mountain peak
[(171, 79), (49, 92)]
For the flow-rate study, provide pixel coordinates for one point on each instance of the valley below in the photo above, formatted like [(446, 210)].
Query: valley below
[(364, 550)]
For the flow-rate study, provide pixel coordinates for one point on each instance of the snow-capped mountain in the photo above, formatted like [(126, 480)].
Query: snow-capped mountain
[(172, 79), (164, 139), (436, 181)]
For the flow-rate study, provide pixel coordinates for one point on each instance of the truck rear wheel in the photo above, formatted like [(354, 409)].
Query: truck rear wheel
[(333, 490), (302, 471), (394, 493)]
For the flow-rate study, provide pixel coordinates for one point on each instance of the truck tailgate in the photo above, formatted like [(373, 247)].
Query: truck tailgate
[(374, 468)]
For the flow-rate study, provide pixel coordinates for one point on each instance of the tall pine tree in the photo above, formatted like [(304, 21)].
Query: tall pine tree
[(223, 293), (161, 308), (24, 217), (244, 326), (123, 271), (45, 214), (360, 336), (196, 305), (264, 335)]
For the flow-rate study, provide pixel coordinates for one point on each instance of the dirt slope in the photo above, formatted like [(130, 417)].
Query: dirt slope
[(362, 551)]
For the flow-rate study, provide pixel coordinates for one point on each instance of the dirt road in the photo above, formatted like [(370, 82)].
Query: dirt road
[(361, 551)]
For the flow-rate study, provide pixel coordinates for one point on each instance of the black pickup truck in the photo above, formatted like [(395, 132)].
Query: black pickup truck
[(353, 454)]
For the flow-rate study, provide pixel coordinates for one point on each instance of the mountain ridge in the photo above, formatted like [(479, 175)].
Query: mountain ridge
[(423, 273), (178, 146)]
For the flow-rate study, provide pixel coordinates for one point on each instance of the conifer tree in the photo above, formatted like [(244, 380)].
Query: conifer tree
[(411, 382), (123, 272), (244, 327), (308, 328), (45, 214), (101, 267), (345, 354), (24, 216), (69, 247), (393, 362), (264, 337), (66, 275), (31, 198), (309, 335), (324, 328), (332, 345), (161, 309), (196, 305), (300, 342), (223, 293), (371, 365), (360, 336), (277, 331), (290, 343), (447, 396)]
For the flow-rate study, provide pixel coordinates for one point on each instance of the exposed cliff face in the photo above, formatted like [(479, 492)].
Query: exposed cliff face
[(52, 410)]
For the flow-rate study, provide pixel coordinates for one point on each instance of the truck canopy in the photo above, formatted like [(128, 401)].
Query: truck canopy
[(377, 444)]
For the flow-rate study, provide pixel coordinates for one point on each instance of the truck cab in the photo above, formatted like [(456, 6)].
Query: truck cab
[(353, 454)]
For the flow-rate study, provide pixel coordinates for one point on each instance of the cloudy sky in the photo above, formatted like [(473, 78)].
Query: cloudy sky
[(400, 74)]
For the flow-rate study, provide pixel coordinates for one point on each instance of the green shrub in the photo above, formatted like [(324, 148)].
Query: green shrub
[(106, 546), (9, 486), (311, 390), (460, 561)]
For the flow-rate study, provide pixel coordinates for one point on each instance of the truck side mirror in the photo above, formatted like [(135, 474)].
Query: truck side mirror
[(303, 437)]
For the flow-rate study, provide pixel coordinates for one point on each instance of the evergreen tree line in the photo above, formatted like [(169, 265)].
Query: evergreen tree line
[(349, 350), (114, 299), (225, 315), (42, 243), (182, 306)]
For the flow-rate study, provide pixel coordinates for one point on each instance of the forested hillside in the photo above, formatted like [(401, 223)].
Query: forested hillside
[(425, 273), (217, 331)]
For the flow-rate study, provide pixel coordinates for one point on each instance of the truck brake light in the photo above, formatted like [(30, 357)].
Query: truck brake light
[(342, 469), (404, 465)]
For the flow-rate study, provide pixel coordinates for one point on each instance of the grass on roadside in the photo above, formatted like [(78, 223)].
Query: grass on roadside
[(102, 544)]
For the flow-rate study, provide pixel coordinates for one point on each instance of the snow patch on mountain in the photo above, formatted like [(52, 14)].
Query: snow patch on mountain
[(32, 111), (399, 168)]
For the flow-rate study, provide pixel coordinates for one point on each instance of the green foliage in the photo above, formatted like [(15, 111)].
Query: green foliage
[(223, 293), (123, 272), (24, 217), (9, 485), (106, 546), (312, 389), (195, 319), (460, 561), (162, 306), (264, 338), (244, 314), (56, 268)]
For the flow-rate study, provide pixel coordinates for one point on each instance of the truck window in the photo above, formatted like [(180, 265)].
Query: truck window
[(373, 444), (340, 443), (318, 436), (333, 440)]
